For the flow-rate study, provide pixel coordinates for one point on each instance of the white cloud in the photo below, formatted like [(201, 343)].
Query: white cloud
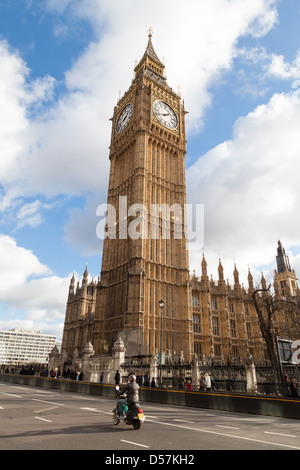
[(279, 68), (28, 286), (249, 186), (18, 96), (30, 214), (64, 149), (80, 230), (17, 264)]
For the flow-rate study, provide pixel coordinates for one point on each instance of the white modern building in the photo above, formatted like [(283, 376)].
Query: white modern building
[(22, 346)]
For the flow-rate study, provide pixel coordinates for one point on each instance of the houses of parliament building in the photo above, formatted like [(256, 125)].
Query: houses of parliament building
[(201, 316)]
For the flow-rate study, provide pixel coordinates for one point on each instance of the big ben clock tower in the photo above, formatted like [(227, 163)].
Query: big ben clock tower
[(148, 193)]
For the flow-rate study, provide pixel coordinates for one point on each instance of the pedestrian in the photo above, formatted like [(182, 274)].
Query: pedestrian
[(141, 379), (212, 382), (293, 388), (181, 381), (202, 384), (80, 376), (102, 377), (73, 374), (286, 385), (117, 378), (153, 382), (207, 382), (188, 385), (147, 380)]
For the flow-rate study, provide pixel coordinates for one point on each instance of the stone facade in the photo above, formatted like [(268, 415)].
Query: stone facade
[(210, 319), (147, 158)]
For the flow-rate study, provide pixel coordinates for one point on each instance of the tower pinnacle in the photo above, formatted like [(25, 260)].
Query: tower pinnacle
[(283, 263)]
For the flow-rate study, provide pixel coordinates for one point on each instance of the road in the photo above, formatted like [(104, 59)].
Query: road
[(37, 419)]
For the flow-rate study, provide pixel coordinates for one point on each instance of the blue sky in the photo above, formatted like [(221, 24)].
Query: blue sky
[(62, 64)]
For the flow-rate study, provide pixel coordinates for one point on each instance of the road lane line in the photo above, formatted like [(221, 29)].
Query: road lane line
[(279, 434), (45, 409), (11, 395), (50, 402), (97, 411), (183, 421), (227, 427), (134, 443), (43, 419), (225, 435)]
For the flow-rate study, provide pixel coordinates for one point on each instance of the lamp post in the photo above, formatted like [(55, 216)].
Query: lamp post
[(161, 306)]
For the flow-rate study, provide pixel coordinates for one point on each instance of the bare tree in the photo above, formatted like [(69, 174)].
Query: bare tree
[(265, 308)]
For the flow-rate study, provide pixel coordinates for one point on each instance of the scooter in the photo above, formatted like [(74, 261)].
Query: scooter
[(133, 416)]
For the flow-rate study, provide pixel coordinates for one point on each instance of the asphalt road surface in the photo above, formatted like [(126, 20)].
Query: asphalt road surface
[(36, 419)]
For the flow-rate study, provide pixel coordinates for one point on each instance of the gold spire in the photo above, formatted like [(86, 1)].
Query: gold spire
[(150, 31)]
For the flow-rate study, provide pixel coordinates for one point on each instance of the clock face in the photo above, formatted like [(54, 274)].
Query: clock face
[(165, 114), (124, 118)]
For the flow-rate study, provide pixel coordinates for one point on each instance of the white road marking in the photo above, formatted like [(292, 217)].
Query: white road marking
[(97, 411), (50, 402), (183, 421), (43, 419), (11, 395), (134, 443), (256, 420), (228, 427), (279, 434), (226, 435), (45, 409)]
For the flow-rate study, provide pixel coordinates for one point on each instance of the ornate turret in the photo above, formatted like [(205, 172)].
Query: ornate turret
[(204, 276), (250, 282), (221, 281), (72, 285), (285, 280), (150, 65), (282, 260), (237, 285)]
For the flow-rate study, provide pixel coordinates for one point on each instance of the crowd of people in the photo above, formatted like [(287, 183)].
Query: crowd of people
[(290, 387), (143, 379), (207, 382)]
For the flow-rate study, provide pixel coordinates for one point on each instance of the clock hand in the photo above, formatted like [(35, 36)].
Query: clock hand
[(125, 117)]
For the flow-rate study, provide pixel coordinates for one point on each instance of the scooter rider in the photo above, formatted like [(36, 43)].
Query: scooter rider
[(131, 390)]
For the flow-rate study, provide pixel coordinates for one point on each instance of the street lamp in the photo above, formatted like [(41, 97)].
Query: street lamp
[(161, 304)]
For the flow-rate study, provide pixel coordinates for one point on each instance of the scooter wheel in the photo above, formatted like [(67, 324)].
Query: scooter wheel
[(115, 419), (137, 424)]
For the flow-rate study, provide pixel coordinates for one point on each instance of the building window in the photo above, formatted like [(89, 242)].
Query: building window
[(197, 348), (217, 349), (283, 284), (230, 305), (215, 324), (196, 323), (214, 303), (233, 328)]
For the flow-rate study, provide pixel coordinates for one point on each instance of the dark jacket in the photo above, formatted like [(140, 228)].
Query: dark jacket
[(132, 392)]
